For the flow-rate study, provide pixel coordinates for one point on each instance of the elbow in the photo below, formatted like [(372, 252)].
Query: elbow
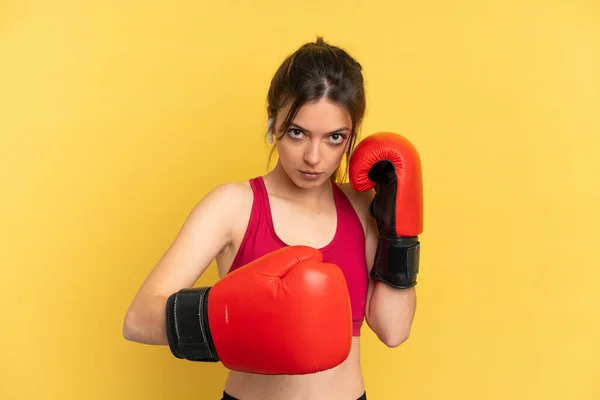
[(395, 339), (128, 334), (392, 335), (144, 322), (129, 330)]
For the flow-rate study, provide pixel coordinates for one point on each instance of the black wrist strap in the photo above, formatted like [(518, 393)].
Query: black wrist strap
[(188, 330), (397, 261)]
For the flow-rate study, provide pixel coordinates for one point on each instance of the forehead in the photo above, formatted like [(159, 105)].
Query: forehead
[(323, 115)]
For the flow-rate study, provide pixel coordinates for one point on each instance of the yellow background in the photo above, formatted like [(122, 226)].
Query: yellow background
[(117, 116)]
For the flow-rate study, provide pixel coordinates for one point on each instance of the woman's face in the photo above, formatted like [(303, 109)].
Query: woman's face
[(312, 148)]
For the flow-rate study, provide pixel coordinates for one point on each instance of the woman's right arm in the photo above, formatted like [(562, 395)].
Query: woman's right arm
[(205, 233)]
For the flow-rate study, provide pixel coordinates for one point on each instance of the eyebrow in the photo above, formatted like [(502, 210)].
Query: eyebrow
[(329, 133)]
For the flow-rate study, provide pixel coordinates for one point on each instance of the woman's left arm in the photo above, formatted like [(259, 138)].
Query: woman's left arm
[(389, 311)]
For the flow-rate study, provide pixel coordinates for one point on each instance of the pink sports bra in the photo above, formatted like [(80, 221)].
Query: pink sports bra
[(347, 248)]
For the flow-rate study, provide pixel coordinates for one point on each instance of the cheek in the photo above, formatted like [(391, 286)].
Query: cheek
[(338, 153), (286, 153)]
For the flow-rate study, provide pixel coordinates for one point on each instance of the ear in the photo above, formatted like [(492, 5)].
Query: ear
[(270, 131), (270, 125)]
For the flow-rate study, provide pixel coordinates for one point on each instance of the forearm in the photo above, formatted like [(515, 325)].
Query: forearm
[(146, 323), (390, 313)]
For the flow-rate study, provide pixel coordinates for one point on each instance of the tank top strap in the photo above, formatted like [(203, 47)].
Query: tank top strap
[(267, 216), (340, 198), (257, 214), (259, 190), (349, 218), (261, 197), (259, 194)]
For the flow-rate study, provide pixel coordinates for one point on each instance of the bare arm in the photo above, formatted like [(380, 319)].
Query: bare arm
[(204, 234), (389, 311)]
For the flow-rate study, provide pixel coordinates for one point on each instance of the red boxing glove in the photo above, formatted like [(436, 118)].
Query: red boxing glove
[(284, 313), (390, 163)]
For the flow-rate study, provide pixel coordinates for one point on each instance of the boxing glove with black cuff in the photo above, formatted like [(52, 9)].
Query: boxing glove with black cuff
[(389, 163), (287, 312)]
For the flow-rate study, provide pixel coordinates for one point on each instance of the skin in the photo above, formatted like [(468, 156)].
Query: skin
[(303, 214)]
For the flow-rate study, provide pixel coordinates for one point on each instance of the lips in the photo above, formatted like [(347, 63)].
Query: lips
[(310, 175), (311, 172)]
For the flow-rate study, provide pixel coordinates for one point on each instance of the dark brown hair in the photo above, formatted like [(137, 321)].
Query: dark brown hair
[(318, 70)]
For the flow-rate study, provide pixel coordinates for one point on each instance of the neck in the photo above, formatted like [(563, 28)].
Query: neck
[(280, 184)]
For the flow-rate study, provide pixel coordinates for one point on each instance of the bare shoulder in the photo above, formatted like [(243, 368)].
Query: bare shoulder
[(234, 200), (230, 191), (360, 201), (221, 205), (229, 199)]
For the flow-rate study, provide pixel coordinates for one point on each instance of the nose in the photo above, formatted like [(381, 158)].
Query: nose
[(312, 154)]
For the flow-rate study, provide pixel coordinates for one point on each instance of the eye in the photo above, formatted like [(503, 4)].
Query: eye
[(295, 133), (337, 138)]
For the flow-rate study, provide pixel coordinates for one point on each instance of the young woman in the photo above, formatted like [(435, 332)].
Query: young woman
[(316, 103)]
